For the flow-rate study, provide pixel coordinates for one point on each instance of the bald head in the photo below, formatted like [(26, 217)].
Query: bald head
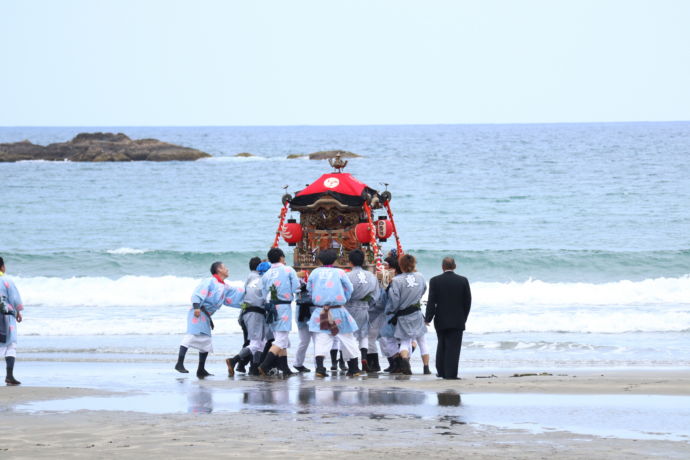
[(448, 263)]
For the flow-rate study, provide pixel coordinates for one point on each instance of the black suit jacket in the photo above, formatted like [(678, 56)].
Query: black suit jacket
[(449, 301)]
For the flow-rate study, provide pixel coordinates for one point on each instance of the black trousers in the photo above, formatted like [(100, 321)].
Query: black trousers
[(448, 352)]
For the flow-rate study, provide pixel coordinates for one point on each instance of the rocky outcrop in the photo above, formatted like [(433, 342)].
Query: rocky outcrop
[(244, 155), (324, 155), (100, 147)]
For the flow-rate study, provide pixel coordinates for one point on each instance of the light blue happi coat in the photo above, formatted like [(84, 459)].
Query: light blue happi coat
[(405, 290), (330, 286), (285, 283), (364, 292), (13, 302), (211, 294), (252, 290)]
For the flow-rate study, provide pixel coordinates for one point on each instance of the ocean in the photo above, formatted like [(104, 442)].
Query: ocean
[(575, 237)]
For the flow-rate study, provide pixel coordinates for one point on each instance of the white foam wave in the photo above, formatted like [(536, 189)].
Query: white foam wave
[(157, 305), (126, 251), (144, 291), (540, 293)]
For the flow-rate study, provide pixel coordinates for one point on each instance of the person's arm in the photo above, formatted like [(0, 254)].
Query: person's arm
[(375, 291), (468, 300), (198, 297), (347, 285), (294, 281), (15, 300), (393, 301), (310, 282), (233, 296), (431, 302)]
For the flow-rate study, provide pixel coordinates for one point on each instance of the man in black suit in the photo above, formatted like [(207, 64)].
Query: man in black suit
[(449, 305)]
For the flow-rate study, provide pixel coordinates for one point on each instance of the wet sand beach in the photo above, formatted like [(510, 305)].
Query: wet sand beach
[(155, 412)]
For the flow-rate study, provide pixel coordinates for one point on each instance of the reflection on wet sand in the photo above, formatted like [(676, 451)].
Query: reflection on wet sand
[(449, 399), (200, 400), (305, 399)]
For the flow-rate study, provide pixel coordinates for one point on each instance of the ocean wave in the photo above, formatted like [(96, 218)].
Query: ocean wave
[(143, 291), (482, 265), (673, 291), (158, 305), (504, 297), (126, 251)]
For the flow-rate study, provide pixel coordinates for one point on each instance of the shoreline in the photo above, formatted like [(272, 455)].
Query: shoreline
[(299, 417)]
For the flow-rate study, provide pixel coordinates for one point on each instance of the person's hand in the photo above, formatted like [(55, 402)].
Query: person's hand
[(19, 317), (197, 313)]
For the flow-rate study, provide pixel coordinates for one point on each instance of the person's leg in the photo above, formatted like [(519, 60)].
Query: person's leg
[(280, 342), (441, 353), (372, 349), (244, 354), (335, 347), (188, 341), (362, 339), (348, 345), (452, 356), (323, 342), (179, 367), (201, 371), (302, 347), (283, 365), (10, 354), (424, 350), (255, 347), (404, 351)]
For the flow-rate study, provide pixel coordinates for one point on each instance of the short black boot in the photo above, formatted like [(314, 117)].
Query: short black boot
[(242, 365), (302, 369), (373, 362), (320, 369), (284, 367), (353, 368), (231, 362), (179, 367), (201, 371), (427, 371), (334, 360), (365, 359), (341, 362), (266, 366), (405, 368), (254, 366), (390, 365), (244, 354), (10, 380), (264, 353), (396, 365)]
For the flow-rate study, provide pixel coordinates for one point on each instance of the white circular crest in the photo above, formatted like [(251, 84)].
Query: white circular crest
[(331, 182)]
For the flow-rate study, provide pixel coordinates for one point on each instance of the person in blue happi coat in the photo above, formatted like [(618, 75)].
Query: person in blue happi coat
[(10, 314), (279, 285), (211, 294), (330, 289)]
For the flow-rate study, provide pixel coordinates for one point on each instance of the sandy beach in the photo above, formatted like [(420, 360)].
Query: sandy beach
[(377, 417)]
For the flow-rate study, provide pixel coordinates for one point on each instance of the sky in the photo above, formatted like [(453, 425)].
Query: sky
[(297, 62)]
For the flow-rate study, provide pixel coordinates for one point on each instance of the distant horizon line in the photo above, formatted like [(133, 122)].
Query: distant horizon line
[(351, 125)]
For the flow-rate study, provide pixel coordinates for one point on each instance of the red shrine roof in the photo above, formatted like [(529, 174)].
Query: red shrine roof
[(341, 186)]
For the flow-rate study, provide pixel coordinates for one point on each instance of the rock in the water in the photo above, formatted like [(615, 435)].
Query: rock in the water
[(99, 147), (244, 155)]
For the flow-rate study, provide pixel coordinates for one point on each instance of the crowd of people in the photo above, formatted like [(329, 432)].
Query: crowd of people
[(347, 316)]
